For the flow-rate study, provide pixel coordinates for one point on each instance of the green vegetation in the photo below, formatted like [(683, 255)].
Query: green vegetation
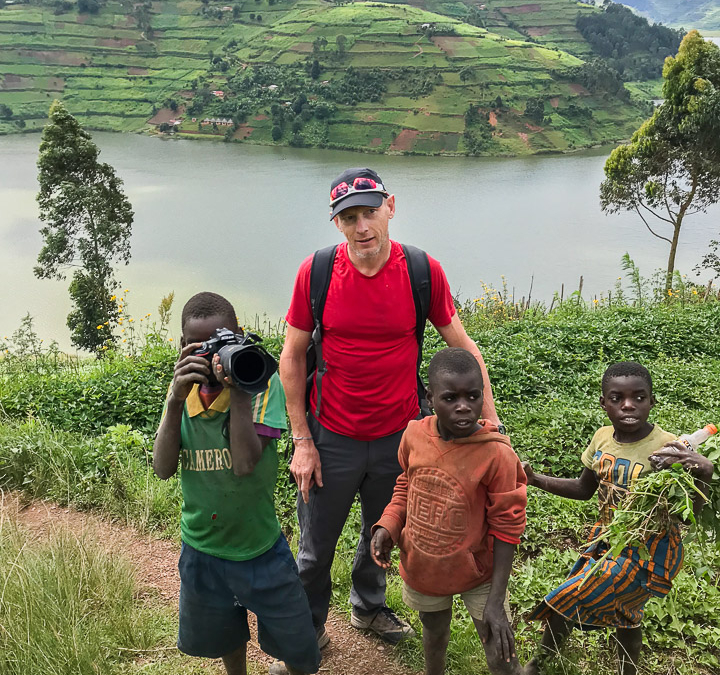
[(66, 434), (671, 167), (70, 606), (699, 14), (627, 42), (88, 220), (376, 76), (48, 589)]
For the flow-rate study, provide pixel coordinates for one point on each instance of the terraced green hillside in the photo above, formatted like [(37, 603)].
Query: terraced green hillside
[(548, 22), (387, 77)]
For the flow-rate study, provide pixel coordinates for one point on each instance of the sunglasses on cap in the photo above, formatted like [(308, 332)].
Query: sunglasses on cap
[(360, 184)]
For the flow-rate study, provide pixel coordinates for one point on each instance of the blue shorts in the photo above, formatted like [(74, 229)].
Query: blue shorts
[(216, 594)]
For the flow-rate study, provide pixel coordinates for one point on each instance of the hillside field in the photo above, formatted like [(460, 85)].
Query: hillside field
[(133, 67)]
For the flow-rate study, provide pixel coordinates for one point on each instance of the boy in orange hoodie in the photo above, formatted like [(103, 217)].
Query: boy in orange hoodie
[(457, 513)]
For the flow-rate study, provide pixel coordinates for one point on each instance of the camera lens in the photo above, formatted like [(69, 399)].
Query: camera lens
[(249, 367)]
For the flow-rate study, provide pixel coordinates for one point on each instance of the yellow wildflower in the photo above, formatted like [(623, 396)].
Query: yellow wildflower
[(170, 339), (99, 327)]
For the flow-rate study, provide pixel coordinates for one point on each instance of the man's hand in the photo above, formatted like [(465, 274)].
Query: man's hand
[(496, 628), (676, 452), (529, 473), (189, 370), (306, 467), (380, 547)]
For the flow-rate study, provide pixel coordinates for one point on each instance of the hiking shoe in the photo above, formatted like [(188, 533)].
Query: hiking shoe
[(386, 624), (322, 637)]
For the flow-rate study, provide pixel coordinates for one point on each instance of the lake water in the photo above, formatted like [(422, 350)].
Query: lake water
[(239, 219)]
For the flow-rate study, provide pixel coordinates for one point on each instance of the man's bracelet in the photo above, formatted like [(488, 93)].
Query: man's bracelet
[(302, 438)]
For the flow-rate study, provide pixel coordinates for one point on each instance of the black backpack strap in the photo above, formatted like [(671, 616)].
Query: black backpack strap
[(320, 275), (419, 272)]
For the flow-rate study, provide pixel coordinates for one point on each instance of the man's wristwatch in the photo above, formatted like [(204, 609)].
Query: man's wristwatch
[(502, 429)]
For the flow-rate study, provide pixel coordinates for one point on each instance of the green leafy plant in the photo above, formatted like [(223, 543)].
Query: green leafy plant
[(656, 502)]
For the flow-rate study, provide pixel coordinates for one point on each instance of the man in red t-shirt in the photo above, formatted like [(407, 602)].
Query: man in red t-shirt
[(369, 393)]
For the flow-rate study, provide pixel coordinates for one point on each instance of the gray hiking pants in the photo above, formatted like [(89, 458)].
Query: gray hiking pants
[(349, 467)]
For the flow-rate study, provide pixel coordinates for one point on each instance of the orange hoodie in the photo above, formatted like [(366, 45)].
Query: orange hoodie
[(450, 501)]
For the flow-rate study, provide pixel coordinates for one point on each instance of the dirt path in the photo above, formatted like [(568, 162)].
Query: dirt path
[(155, 560)]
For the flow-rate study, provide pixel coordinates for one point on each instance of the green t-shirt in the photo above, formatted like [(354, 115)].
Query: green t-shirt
[(618, 465), (224, 515)]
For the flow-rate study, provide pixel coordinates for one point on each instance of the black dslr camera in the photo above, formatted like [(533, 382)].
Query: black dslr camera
[(247, 363)]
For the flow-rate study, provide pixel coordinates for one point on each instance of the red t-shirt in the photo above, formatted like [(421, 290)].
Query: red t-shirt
[(369, 345)]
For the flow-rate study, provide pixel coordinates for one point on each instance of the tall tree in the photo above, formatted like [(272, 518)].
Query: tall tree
[(671, 167), (88, 221)]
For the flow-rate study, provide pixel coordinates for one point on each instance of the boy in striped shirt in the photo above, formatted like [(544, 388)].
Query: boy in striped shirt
[(615, 458)]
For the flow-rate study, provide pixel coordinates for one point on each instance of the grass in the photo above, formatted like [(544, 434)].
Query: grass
[(67, 606)]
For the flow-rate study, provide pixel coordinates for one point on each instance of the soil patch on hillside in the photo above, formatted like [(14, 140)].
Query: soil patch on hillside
[(59, 57), (405, 140), (115, 42), (521, 9), (164, 115), (538, 31), (448, 44)]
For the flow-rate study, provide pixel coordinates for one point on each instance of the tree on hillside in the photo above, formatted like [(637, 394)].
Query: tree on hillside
[(88, 221), (671, 167), (341, 44)]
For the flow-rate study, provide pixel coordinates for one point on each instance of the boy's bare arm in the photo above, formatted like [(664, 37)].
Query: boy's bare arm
[(246, 447), (581, 488), (166, 448), (494, 616), (189, 370)]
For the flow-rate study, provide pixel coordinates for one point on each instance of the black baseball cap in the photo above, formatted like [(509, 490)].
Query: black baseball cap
[(350, 189)]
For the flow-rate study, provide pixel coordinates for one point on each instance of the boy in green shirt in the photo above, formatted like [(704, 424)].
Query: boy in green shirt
[(234, 557)]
